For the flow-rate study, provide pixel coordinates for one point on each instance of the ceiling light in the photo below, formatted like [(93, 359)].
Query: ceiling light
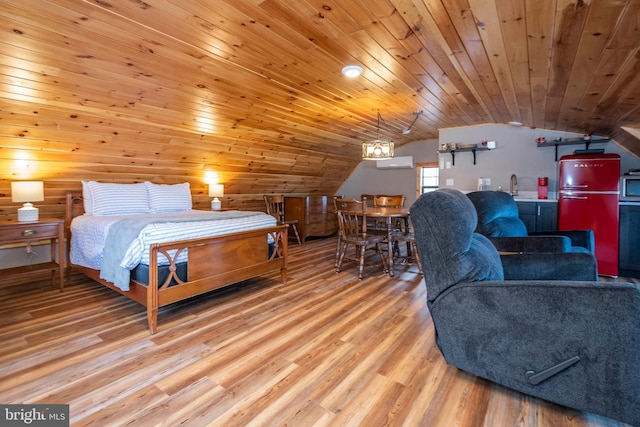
[(352, 70), (516, 124), (377, 149)]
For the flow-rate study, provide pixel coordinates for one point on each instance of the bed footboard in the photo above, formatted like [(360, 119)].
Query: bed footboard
[(213, 263)]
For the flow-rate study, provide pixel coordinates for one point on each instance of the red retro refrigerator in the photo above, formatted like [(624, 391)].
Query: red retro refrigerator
[(588, 199)]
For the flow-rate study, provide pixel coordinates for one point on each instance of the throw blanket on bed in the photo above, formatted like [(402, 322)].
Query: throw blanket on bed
[(124, 232)]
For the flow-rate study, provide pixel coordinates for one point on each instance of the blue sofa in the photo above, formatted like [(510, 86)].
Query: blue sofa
[(498, 219), (558, 335)]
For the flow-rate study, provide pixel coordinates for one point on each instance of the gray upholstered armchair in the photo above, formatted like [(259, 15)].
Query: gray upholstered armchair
[(571, 341), (498, 220)]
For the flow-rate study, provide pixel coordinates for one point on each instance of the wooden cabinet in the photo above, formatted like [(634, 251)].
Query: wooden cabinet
[(31, 232), (315, 215), (539, 216), (629, 249)]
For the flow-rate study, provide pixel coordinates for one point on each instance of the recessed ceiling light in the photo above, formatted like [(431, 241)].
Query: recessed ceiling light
[(352, 70), (516, 124)]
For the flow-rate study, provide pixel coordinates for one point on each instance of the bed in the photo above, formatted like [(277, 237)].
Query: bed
[(177, 252)]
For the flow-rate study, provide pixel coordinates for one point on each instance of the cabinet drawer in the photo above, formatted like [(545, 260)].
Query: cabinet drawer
[(314, 229), (316, 209), (22, 232), (320, 229), (316, 205), (315, 217)]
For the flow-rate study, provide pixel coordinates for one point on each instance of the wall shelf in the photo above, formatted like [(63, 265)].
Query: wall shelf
[(573, 141), (457, 150)]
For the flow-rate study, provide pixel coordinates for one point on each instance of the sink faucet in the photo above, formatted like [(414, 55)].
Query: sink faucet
[(513, 188)]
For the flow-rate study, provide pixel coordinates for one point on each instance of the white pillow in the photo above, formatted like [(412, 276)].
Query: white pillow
[(87, 198), (169, 198), (119, 199)]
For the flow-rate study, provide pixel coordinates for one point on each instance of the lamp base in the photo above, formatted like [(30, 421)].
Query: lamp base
[(216, 205), (27, 213)]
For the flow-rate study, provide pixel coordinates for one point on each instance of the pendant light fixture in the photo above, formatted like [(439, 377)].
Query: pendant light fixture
[(377, 149)]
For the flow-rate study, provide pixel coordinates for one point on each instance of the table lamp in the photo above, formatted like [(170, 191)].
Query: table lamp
[(215, 191), (27, 191)]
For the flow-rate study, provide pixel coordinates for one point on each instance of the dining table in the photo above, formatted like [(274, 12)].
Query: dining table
[(388, 214)]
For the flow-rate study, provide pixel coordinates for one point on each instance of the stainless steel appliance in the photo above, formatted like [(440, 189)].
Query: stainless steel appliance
[(588, 199), (630, 188)]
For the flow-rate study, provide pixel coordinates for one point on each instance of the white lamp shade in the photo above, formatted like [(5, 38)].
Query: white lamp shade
[(216, 190), (27, 191)]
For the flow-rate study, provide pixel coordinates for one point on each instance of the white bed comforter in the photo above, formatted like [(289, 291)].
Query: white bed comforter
[(89, 234)]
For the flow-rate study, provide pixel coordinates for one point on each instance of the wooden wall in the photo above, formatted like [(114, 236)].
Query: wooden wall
[(51, 144)]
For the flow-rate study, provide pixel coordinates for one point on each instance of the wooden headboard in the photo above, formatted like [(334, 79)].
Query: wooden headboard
[(74, 207)]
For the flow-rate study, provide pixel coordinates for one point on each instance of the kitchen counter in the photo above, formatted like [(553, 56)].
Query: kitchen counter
[(532, 196)]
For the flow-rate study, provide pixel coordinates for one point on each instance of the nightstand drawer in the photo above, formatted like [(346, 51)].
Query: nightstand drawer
[(28, 231)]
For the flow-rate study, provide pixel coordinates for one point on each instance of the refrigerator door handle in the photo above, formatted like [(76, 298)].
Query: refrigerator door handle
[(575, 197), (569, 187)]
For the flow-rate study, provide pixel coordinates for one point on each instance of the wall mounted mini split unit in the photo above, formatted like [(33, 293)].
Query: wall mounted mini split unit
[(401, 162)]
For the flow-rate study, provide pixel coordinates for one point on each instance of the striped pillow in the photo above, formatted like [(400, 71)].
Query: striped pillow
[(87, 198), (119, 199), (169, 198)]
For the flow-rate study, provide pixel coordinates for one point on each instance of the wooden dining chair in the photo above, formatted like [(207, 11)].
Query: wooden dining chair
[(392, 202), (389, 201), (369, 199), (410, 257), (275, 208), (352, 226)]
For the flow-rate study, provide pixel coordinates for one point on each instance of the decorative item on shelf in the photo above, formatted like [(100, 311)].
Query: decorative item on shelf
[(541, 140), (453, 146), (215, 191), (586, 137), (490, 145), (27, 192), (377, 149), (443, 146), (467, 146)]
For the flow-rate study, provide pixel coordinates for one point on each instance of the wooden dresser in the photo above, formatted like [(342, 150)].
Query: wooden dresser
[(315, 215)]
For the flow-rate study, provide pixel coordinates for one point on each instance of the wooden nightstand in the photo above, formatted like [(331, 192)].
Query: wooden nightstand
[(51, 229)]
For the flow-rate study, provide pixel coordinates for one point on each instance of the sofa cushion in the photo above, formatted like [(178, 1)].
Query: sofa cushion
[(444, 221)]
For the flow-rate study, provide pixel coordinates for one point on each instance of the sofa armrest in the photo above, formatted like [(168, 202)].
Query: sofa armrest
[(581, 238), (532, 244), (501, 330), (550, 266)]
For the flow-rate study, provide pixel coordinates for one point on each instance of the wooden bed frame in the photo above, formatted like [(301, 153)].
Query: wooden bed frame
[(213, 262)]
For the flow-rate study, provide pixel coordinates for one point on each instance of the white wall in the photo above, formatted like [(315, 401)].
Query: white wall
[(367, 179), (516, 153)]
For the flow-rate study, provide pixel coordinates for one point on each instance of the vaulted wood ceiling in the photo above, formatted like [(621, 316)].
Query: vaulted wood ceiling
[(253, 90)]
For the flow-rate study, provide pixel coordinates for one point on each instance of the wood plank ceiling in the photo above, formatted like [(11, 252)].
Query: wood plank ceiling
[(165, 90)]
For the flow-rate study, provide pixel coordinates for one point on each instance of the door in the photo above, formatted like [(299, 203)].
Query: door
[(582, 173), (598, 212)]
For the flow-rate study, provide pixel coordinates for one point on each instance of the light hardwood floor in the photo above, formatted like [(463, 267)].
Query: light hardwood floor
[(324, 349)]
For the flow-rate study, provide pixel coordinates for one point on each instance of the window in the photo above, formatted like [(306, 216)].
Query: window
[(428, 177)]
